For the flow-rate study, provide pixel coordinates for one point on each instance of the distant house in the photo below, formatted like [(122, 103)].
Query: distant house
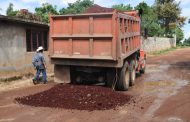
[(19, 39)]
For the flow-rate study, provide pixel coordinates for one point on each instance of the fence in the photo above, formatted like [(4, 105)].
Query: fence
[(152, 44)]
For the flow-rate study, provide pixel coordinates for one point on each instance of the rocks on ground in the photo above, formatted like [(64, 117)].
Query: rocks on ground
[(80, 97)]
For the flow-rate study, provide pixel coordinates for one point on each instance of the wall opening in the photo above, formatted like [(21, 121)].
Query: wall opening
[(36, 38)]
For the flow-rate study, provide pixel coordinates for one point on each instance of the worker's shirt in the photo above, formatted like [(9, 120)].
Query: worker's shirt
[(38, 61)]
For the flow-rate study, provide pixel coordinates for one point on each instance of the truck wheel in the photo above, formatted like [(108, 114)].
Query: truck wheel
[(132, 72), (142, 70), (123, 83)]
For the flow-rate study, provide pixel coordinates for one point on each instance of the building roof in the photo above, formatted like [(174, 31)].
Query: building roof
[(22, 21)]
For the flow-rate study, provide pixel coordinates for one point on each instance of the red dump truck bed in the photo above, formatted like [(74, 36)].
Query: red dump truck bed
[(94, 39), (101, 47)]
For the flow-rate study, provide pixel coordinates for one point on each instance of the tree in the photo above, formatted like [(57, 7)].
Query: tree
[(154, 29), (168, 12), (10, 11), (149, 20), (187, 42), (62, 11), (44, 11), (77, 7), (122, 7), (179, 35)]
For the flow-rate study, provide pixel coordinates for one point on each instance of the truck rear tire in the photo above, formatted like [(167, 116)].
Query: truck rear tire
[(123, 83), (132, 72)]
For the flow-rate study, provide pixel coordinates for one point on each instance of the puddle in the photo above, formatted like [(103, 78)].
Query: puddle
[(162, 89), (157, 76), (153, 68), (160, 83), (164, 67)]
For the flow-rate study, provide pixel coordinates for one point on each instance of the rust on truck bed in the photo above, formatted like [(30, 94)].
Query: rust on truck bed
[(82, 39)]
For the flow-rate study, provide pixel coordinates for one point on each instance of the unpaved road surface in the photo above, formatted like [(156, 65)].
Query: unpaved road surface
[(160, 95)]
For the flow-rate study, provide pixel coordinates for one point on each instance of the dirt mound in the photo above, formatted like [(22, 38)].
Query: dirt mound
[(98, 9), (80, 97)]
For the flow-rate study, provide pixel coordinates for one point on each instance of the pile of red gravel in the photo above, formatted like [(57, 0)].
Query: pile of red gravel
[(98, 9), (80, 97)]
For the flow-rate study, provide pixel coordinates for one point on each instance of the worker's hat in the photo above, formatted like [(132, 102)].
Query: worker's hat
[(39, 48)]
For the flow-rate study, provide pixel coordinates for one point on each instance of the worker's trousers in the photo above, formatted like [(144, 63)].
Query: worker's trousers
[(43, 71)]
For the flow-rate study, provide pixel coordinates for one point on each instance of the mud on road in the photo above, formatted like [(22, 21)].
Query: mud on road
[(161, 94)]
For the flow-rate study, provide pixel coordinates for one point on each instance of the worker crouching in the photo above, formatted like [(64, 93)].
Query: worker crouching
[(38, 62)]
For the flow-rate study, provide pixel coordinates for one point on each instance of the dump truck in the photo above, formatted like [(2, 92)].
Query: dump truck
[(103, 47)]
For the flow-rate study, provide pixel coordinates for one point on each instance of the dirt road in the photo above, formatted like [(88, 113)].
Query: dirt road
[(162, 94)]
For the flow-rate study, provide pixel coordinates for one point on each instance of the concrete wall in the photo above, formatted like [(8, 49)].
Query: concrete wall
[(13, 54), (152, 44)]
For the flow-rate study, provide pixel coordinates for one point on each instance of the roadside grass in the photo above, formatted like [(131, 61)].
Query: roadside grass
[(12, 77), (167, 50)]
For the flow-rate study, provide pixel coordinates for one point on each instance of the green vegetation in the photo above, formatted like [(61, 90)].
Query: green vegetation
[(149, 20), (10, 11), (167, 50), (14, 78), (122, 7), (77, 7), (179, 34), (45, 10), (162, 19), (186, 42), (22, 13), (73, 8), (169, 15), (163, 51)]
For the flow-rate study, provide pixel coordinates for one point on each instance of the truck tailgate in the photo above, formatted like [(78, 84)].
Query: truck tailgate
[(88, 36)]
